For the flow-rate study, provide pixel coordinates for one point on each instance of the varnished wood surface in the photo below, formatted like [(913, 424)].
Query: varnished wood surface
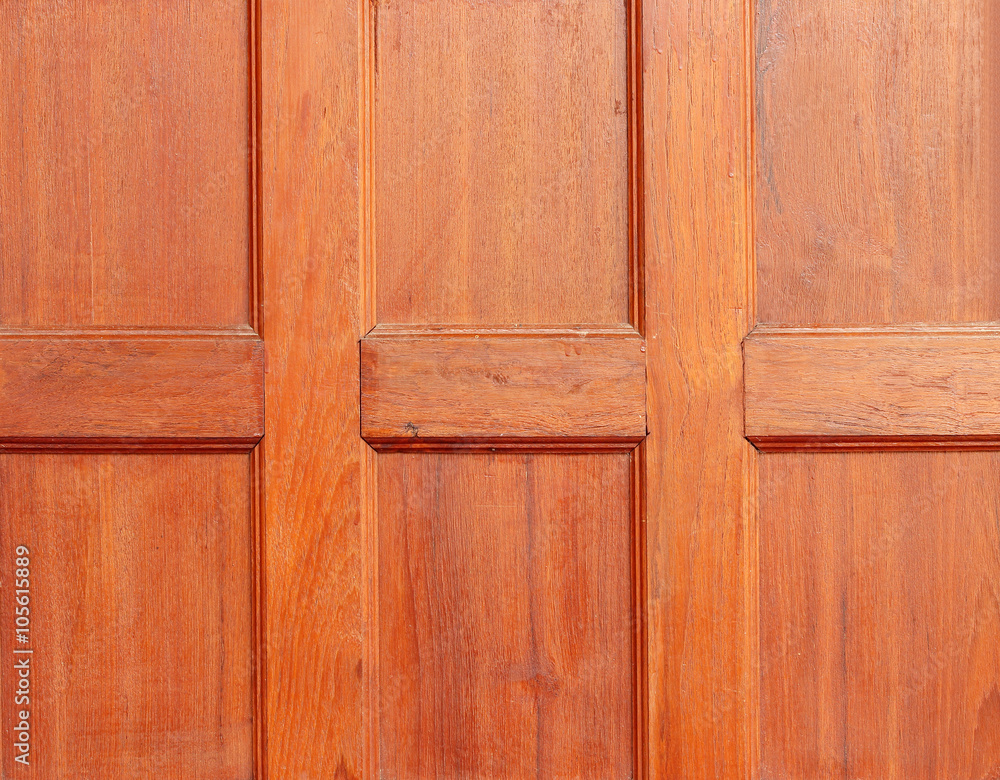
[(501, 167), (879, 616), (874, 196), (991, 107), (876, 233), (505, 600), (314, 553), (699, 521), (124, 167), (464, 390), (113, 390), (127, 302), (495, 193), (895, 388), (140, 614)]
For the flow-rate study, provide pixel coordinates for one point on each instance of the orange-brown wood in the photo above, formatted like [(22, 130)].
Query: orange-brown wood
[(124, 167), (501, 162), (873, 160), (315, 560), (138, 580), (499, 167), (879, 623), (128, 298), (877, 203), (991, 106), (699, 520), (505, 601), (833, 387), (416, 175), (112, 390), (458, 389)]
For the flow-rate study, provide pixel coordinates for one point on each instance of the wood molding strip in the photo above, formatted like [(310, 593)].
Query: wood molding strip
[(917, 388), (575, 391), (100, 393)]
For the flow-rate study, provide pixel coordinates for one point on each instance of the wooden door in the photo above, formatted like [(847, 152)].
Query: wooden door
[(629, 404)]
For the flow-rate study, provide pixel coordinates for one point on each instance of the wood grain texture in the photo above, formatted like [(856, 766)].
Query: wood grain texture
[(496, 196), (125, 167), (505, 601), (991, 107), (140, 614), (117, 391), (313, 543), (127, 271), (873, 388), (486, 390), (699, 524), (879, 615), (501, 164), (878, 570), (876, 202)]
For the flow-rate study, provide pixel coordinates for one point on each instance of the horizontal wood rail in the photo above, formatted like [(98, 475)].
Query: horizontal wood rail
[(538, 389), (123, 390), (884, 388)]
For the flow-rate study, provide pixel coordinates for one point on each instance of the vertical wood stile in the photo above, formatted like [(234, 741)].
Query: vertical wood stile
[(751, 510), (699, 303), (315, 541)]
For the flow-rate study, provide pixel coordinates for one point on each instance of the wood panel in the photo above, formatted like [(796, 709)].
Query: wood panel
[(457, 389), (315, 558), (125, 171), (501, 163), (113, 390), (991, 107), (886, 388), (873, 152), (699, 522), (505, 613), (879, 615), (139, 614)]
